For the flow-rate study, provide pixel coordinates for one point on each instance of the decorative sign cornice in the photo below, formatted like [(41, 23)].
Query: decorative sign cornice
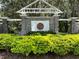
[(52, 9)]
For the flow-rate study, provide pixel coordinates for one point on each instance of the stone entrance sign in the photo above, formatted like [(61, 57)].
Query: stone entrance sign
[(39, 23)]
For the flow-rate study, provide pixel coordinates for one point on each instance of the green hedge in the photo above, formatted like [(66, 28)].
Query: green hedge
[(54, 43)]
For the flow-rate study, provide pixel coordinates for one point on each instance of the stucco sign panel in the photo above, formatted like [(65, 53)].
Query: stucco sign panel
[(40, 25)]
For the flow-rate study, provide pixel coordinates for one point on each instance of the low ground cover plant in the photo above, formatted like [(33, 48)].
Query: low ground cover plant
[(38, 44)]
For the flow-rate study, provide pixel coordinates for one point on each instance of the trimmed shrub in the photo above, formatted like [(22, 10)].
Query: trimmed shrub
[(41, 44), (22, 46), (5, 41), (54, 43)]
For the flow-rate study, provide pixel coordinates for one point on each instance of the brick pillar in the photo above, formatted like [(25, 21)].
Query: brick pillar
[(5, 26), (56, 23), (73, 28)]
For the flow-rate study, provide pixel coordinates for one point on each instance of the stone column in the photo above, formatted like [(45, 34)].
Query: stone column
[(28, 25), (51, 24), (1, 30), (56, 23), (23, 26), (5, 26), (73, 28)]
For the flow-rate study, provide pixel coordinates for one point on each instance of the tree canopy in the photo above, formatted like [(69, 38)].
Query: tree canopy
[(69, 7)]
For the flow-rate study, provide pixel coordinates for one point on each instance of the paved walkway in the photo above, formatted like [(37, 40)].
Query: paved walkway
[(2, 55)]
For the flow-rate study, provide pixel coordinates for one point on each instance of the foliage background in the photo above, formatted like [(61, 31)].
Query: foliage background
[(69, 7)]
